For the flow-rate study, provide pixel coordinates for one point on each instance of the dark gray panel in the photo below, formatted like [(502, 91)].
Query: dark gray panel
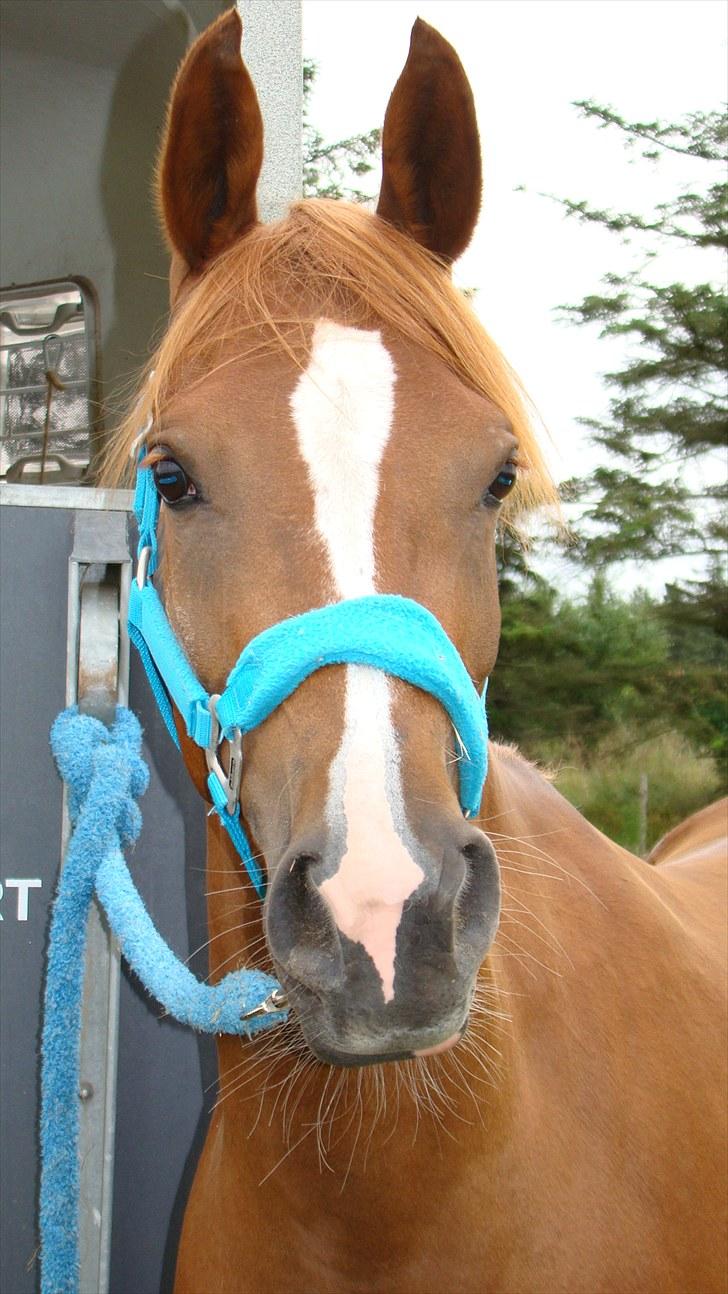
[(160, 1064), (34, 548)]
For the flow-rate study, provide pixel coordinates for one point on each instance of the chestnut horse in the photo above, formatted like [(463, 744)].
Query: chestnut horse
[(504, 1068)]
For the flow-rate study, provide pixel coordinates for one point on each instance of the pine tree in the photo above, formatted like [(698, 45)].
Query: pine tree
[(334, 170), (661, 492)]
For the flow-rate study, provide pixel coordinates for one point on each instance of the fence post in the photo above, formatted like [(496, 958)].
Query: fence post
[(642, 837)]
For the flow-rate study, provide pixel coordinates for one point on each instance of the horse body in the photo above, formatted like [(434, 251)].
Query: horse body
[(581, 1150), (505, 1066), (701, 835)]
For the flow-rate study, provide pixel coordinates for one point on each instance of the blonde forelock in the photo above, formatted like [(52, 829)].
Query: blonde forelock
[(343, 261)]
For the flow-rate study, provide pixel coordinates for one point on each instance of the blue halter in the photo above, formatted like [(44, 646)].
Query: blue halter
[(384, 631), (105, 775)]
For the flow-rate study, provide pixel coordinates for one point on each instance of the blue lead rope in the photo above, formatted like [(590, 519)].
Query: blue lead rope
[(105, 775)]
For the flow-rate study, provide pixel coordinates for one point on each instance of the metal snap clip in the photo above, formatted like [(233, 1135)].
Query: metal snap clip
[(275, 1001), (230, 781)]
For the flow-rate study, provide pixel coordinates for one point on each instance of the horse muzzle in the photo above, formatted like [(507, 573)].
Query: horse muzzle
[(374, 977)]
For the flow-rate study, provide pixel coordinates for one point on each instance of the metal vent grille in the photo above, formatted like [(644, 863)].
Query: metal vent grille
[(47, 363)]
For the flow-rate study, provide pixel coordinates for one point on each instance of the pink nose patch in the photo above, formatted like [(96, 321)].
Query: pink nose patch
[(377, 873)]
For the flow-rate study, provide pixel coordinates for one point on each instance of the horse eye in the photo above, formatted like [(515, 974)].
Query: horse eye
[(503, 483), (172, 482)]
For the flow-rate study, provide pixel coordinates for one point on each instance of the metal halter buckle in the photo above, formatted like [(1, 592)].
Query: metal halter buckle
[(275, 1001), (230, 781)]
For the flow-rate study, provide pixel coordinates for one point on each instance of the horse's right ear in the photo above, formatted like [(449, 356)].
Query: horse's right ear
[(212, 150)]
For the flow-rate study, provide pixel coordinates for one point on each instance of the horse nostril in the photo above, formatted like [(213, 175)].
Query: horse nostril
[(474, 852), (303, 862), (302, 937), (479, 898)]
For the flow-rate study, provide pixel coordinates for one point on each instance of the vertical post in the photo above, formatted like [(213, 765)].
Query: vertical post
[(272, 49), (644, 793), (97, 676)]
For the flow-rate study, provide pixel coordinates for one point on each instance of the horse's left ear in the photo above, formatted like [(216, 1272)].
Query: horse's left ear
[(432, 173), (212, 150)]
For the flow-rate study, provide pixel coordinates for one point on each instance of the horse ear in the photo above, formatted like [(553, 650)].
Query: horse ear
[(213, 148), (432, 173)]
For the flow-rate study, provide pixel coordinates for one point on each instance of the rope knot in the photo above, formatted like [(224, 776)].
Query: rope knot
[(87, 752)]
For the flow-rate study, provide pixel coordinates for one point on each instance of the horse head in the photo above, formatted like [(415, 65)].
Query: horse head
[(330, 421)]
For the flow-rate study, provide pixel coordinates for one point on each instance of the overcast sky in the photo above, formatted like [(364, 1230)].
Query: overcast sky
[(527, 60)]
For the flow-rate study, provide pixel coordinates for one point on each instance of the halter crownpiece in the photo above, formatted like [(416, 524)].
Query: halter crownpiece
[(384, 631)]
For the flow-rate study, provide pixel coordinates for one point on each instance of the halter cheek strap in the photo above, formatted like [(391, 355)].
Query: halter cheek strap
[(383, 631)]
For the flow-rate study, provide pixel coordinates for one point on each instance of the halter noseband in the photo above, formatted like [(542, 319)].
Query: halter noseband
[(384, 631)]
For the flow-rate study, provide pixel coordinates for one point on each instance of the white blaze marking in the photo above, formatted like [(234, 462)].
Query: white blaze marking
[(377, 874), (343, 408)]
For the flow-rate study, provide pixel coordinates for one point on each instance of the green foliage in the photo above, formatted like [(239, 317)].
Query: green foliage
[(572, 670), (334, 170), (670, 397), (633, 515), (608, 689), (605, 784), (702, 135), (577, 669), (695, 617), (603, 688)]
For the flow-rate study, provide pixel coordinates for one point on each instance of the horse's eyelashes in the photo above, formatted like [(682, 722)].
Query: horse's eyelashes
[(502, 484), (172, 483)]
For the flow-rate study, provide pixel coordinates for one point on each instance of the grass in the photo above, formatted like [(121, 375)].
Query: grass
[(606, 787)]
